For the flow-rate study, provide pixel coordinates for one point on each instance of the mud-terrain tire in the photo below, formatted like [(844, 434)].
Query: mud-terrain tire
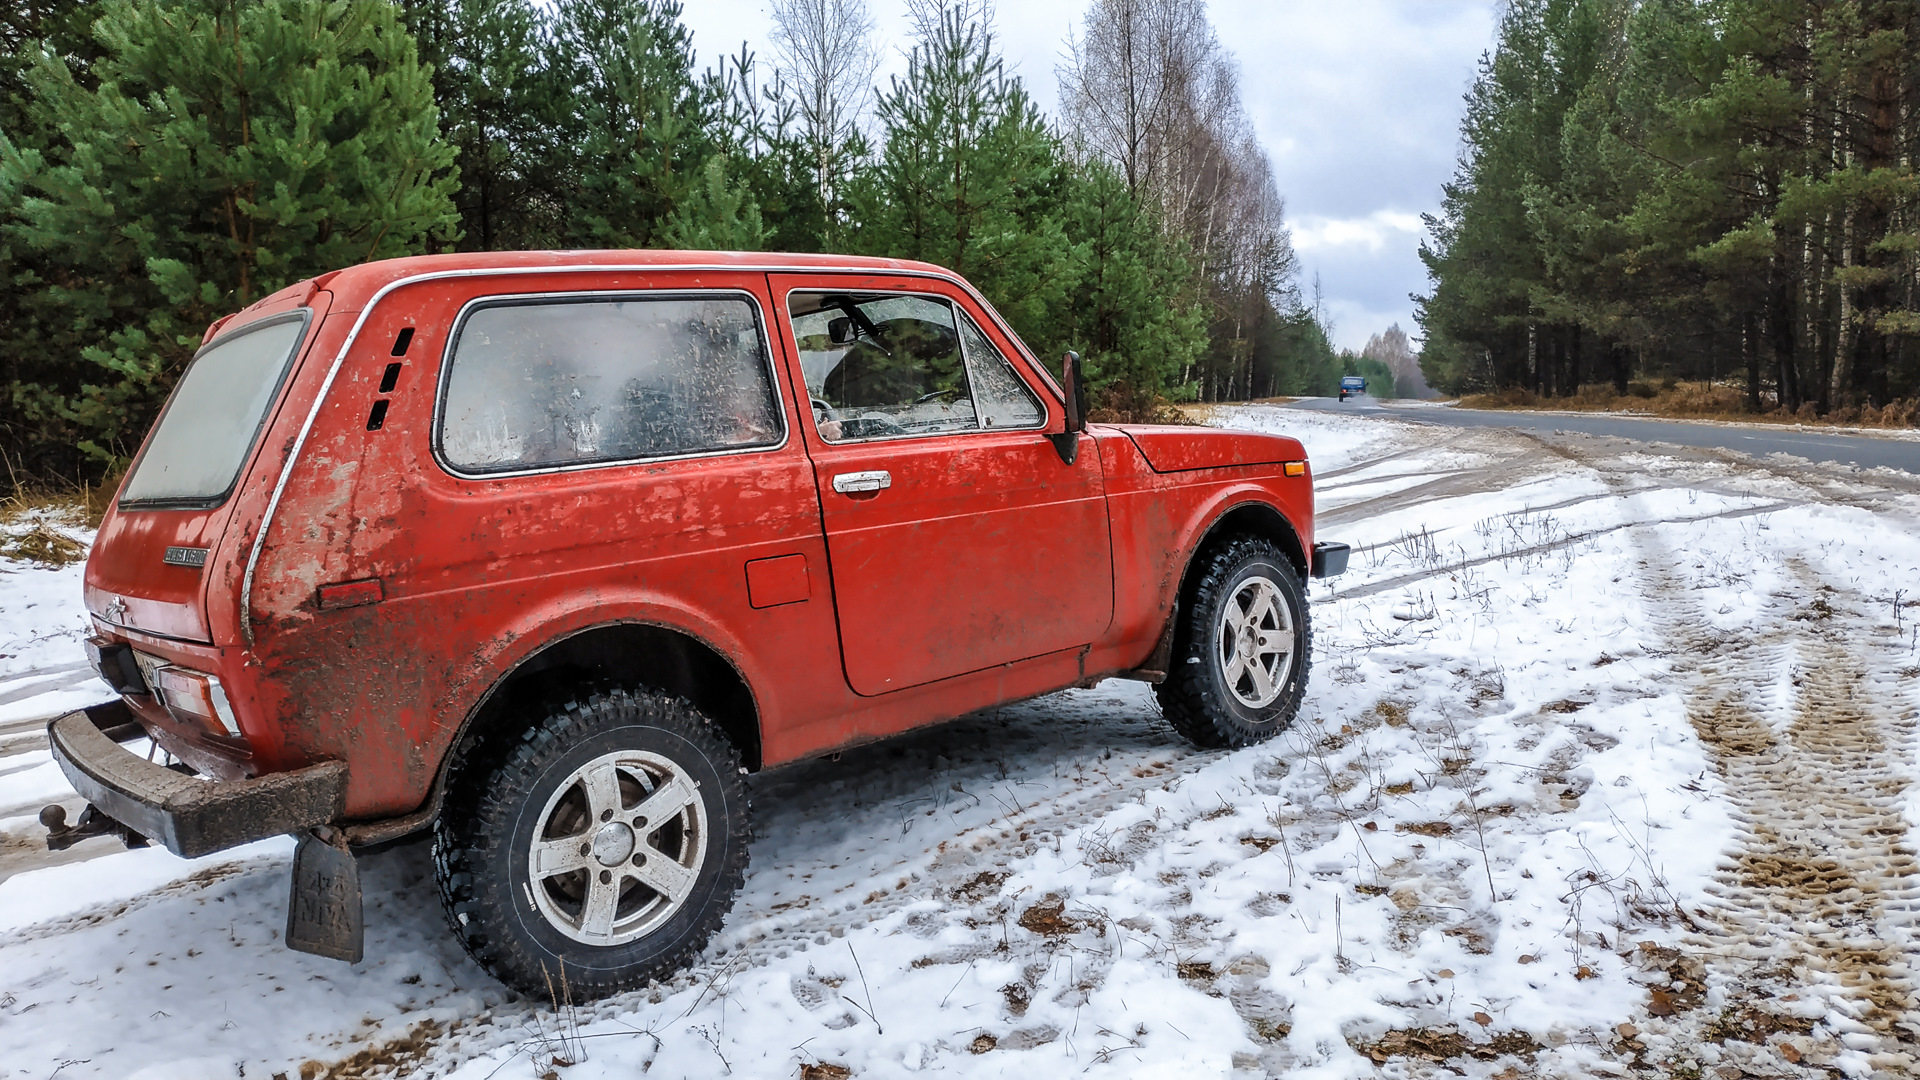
[(1247, 581), (531, 845)]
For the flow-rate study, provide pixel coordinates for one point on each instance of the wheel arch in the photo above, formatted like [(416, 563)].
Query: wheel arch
[(629, 652), (632, 653), (1248, 517)]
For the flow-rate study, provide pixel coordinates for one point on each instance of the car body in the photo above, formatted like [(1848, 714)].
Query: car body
[(1352, 385), (433, 514)]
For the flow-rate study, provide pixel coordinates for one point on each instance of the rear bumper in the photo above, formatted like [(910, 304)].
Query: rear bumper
[(1329, 559), (191, 816)]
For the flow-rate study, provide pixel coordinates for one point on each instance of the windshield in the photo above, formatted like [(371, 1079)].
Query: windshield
[(214, 416)]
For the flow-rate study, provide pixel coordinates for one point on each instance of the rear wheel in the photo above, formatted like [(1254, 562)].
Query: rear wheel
[(1241, 647), (600, 844)]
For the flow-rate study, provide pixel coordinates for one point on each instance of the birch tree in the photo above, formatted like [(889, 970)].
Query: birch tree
[(826, 56)]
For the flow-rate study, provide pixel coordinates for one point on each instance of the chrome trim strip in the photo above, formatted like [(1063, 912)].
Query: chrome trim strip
[(333, 370)]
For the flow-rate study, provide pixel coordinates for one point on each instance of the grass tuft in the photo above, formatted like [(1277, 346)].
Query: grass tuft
[(44, 545)]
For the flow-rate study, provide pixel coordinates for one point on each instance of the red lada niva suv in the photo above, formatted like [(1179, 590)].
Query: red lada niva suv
[(544, 551)]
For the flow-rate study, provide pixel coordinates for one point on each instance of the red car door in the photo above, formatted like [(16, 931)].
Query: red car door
[(957, 539)]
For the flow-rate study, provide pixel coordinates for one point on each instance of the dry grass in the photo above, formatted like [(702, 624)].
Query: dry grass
[(394, 1057), (79, 503), (1049, 919), (1122, 404), (1697, 400), (43, 544), (32, 516), (1442, 1044), (32, 524)]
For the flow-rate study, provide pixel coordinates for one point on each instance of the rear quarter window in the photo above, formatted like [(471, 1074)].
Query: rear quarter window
[(542, 383)]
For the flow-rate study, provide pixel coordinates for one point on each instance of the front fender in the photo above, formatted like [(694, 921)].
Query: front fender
[(1161, 528)]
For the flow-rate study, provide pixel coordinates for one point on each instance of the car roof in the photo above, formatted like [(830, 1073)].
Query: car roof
[(355, 285)]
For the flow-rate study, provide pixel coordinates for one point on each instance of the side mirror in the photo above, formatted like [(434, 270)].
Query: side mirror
[(1074, 382), (1073, 379)]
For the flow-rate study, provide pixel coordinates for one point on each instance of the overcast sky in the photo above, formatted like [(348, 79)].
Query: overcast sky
[(1357, 103)]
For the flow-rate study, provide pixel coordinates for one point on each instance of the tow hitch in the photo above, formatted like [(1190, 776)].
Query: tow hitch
[(324, 912), (92, 823)]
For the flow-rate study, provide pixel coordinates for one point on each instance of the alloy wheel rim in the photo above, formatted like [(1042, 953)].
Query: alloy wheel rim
[(618, 849), (1255, 642)]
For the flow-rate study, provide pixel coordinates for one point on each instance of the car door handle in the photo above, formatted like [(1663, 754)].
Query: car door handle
[(847, 483)]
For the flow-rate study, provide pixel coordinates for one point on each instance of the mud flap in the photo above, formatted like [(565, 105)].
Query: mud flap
[(323, 913)]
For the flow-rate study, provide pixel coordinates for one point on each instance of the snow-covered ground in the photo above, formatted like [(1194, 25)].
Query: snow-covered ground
[(1606, 766)]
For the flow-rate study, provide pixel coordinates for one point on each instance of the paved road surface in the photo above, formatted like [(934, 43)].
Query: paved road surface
[(1863, 450)]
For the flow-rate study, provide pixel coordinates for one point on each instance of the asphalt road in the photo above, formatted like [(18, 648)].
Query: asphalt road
[(1867, 451)]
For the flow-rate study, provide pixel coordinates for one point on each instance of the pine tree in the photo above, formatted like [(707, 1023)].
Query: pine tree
[(226, 151), (502, 107), (637, 152), (1707, 186), (969, 177), (1135, 312), (775, 162), (31, 347)]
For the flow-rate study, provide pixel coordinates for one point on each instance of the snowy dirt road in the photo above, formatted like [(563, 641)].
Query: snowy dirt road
[(1606, 768)]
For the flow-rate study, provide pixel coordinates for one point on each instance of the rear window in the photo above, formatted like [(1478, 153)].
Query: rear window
[(211, 421), (537, 384)]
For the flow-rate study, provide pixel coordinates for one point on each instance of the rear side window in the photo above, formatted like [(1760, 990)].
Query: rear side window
[(552, 383), (211, 421)]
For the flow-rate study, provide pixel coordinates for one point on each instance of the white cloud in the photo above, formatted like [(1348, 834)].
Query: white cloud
[(1353, 323), (1357, 104), (1375, 232)]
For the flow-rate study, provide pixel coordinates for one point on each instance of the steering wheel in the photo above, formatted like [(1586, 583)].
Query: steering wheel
[(854, 427), (866, 427)]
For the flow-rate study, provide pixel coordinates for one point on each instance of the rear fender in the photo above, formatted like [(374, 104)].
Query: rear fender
[(506, 654)]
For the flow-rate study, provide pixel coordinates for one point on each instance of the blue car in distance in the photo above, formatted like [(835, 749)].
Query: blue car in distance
[(1352, 384)]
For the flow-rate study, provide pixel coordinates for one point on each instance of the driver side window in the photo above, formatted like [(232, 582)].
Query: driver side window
[(881, 365)]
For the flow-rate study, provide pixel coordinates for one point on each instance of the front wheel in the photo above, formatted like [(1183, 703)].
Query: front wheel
[(1241, 647), (597, 846)]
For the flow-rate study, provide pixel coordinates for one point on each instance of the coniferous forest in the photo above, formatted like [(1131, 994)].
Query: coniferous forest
[(163, 162), (1722, 190)]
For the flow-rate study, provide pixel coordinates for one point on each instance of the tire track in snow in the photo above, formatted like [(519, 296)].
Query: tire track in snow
[(95, 915), (1820, 890), (1410, 451), (1403, 580), (957, 861), (1462, 482), (944, 868)]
